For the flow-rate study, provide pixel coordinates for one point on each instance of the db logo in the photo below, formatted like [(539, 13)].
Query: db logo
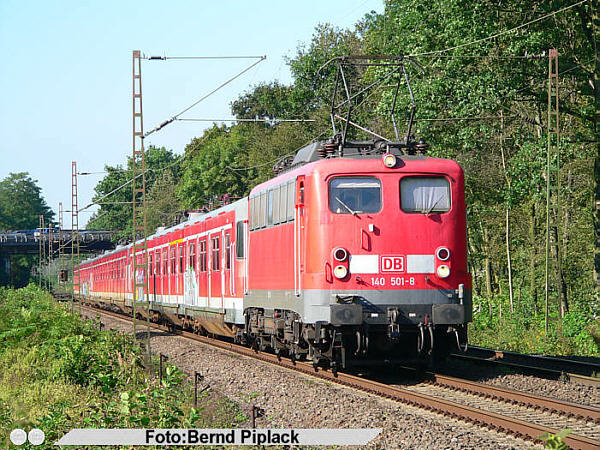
[(392, 263)]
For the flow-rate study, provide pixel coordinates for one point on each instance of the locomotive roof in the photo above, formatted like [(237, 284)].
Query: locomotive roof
[(368, 163)]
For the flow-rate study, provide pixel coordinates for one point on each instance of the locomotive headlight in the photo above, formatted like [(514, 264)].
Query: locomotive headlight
[(443, 271), (340, 254), (340, 272), (389, 160), (443, 253)]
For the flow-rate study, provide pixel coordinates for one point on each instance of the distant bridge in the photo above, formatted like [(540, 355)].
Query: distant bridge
[(27, 242)]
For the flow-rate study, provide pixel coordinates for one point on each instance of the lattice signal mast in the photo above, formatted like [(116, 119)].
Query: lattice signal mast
[(60, 240), (42, 250), (553, 182), (50, 256), (74, 231), (139, 282)]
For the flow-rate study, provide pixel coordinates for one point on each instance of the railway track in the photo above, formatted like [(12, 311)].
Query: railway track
[(518, 413), (584, 372)]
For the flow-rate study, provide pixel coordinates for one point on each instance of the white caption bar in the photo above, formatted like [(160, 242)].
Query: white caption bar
[(218, 436)]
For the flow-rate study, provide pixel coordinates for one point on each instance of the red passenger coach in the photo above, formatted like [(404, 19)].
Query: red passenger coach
[(344, 260)]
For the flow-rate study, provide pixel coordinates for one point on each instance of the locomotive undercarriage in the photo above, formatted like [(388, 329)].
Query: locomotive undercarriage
[(324, 344), (343, 346)]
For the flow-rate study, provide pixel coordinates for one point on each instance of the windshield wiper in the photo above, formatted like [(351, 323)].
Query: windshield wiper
[(433, 206), (347, 207)]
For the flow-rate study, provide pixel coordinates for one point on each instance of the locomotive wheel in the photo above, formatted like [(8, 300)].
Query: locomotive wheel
[(334, 368)]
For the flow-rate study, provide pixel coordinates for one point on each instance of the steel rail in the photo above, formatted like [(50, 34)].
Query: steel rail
[(578, 411), (532, 363), (502, 423)]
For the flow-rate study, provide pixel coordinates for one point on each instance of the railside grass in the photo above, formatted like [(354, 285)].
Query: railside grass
[(59, 372)]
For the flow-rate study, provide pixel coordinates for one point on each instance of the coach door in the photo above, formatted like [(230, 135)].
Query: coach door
[(203, 278), (226, 287), (189, 281), (216, 271)]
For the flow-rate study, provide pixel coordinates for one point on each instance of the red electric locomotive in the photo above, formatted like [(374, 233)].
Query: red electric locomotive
[(373, 265), (352, 259), (355, 253)]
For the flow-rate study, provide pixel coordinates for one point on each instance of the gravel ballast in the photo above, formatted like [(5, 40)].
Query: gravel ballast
[(294, 400)]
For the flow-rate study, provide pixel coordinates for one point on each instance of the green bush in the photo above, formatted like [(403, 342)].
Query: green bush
[(59, 372), (525, 332)]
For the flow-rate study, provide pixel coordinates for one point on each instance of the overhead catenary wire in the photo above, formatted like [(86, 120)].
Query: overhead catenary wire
[(222, 85), (501, 33), (98, 200), (94, 173), (244, 120), (466, 56), (455, 119), (165, 57)]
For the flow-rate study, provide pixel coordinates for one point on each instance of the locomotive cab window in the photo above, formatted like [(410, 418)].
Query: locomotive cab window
[(424, 195), (353, 195)]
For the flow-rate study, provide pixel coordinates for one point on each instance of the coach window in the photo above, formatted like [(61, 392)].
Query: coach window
[(203, 256), (424, 195), (181, 258), (165, 260), (216, 262), (354, 195), (150, 264), (172, 251), (239, 239), (192, 255), (227, 251)]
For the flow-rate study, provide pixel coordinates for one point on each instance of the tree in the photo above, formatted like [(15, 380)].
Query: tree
[(268, 101), (162, 203), (114, 192), (21, 205), (212, 165)]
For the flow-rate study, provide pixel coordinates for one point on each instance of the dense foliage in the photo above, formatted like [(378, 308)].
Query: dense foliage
[(58, 372), (114, 194), (21, 205), (483, 102)]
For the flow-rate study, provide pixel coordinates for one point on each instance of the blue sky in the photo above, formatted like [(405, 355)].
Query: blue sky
[(65, 75)]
